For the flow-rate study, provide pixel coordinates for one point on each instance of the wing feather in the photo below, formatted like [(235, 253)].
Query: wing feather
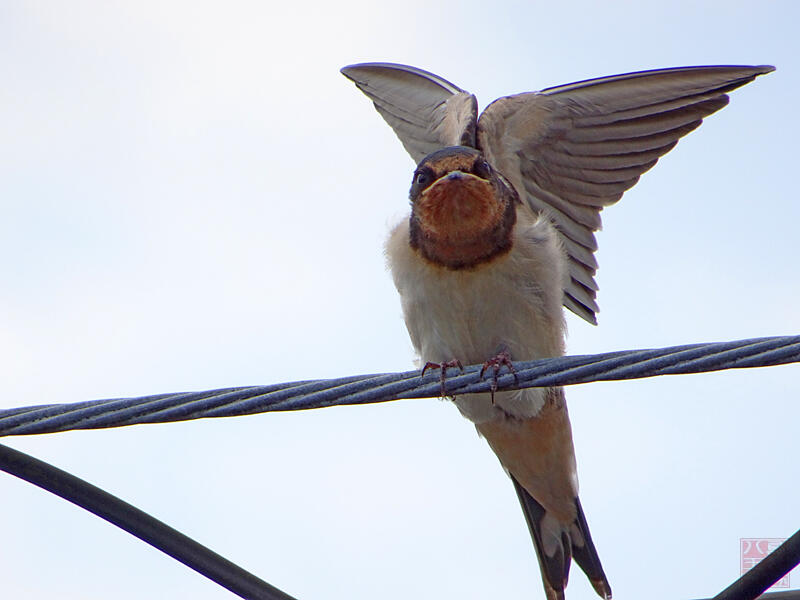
[(607, 163), (573, 149), (597, 175), (426, 111), (575, 221), (645, 125), (642, 143)]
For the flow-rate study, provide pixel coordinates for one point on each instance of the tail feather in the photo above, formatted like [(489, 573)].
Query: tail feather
[(555, 555), (587, 558)]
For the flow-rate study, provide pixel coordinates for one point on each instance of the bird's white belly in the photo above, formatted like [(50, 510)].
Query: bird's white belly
[(512, 303)]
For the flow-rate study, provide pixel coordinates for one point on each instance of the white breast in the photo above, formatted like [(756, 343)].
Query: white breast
[(513, 301)]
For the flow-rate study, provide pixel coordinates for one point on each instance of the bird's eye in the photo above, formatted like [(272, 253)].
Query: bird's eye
[(422, 178), (481, 168)]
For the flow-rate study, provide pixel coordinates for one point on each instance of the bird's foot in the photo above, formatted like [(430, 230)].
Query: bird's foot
[(497, 362), (442, 376)]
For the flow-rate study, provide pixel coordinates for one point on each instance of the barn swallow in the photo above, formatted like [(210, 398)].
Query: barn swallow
[(501, 235)]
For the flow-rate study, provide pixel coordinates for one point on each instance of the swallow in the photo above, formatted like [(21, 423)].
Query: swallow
[(504, 207)]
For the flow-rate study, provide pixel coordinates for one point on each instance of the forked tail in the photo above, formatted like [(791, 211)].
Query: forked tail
[(556, 546)]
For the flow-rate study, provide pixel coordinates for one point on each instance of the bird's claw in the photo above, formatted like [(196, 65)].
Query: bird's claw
[(442, 376), (497, 362)]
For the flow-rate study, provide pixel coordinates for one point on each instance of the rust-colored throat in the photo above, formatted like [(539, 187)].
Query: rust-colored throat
[(462, 220)]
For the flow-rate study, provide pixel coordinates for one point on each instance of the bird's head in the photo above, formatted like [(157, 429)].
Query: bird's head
[(462, 209)]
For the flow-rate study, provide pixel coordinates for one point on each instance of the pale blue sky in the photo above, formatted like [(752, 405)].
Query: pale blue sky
[(193, 197)]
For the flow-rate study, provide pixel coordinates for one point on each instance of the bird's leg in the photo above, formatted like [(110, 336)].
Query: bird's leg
[(497, 362), (443, 366)]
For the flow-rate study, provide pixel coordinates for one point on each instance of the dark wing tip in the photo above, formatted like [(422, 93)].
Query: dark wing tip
[(579, 308)]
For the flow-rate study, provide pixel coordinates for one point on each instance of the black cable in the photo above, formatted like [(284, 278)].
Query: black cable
[(771, 568), (784, 595), (138, 523), (242, 583)]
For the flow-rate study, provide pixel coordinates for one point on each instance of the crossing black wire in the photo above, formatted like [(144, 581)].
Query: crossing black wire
[(246, 585), (784, 595), (364, 389), (772, 568), (138, 523)]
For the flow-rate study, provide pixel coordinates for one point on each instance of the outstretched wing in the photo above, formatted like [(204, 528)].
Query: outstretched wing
[(573, 149), (426, 112)]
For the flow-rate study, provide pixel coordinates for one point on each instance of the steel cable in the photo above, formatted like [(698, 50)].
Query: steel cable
[(365, 389)]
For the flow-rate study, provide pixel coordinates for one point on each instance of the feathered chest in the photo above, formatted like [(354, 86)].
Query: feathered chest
[(512, 301)]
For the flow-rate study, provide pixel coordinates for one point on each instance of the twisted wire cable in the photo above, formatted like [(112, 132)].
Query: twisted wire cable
[(364, 389)]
